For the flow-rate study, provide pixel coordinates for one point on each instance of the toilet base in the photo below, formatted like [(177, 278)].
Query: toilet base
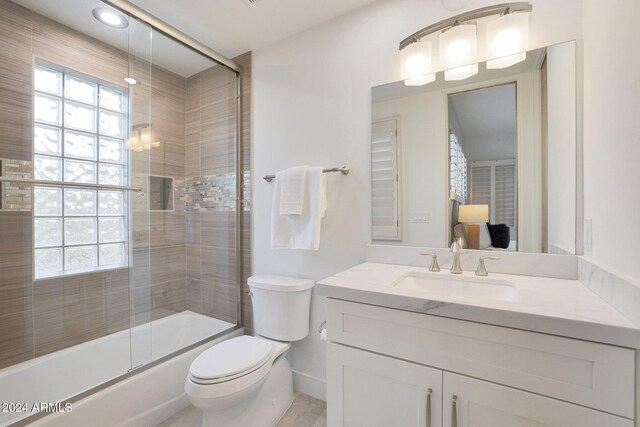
[(263, 409)]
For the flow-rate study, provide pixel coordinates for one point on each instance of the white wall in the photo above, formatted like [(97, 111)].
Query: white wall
[(612, 133), (561, 146), (312, 106)]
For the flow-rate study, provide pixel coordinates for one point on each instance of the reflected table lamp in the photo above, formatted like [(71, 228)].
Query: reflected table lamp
[(472, 216)]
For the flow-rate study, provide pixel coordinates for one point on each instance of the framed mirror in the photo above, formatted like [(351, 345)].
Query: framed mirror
[(489, 160)]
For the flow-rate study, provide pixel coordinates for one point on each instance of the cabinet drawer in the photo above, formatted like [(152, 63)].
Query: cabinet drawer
[(594, 375), (484, 404), (369, 390)]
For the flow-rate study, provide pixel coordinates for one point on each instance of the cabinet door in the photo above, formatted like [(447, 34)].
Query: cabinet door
[(369, 390), (468, 402)]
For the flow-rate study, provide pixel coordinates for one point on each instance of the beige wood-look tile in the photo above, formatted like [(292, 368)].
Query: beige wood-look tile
[(168, 298), (193, 92), (194, 295), (168, 264), (167, 229), (16, 35), (68, 311), (192, 220), (218, 264), (194, 262), (16, 338), (219, 300), (16, 124), (117, 300), (169, 158), (63, 46), (192, 158), (218, 229), (218, 85)]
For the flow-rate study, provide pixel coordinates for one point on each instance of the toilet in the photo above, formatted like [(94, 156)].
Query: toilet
[(247, 381)]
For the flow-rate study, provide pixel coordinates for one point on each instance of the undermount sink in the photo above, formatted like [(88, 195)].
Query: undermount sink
[(450, 285)]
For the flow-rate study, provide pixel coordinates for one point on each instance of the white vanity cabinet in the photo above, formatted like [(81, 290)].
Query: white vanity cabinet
[(382, 362)]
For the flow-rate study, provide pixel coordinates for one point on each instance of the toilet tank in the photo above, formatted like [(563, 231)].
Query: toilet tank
[(280, 306)]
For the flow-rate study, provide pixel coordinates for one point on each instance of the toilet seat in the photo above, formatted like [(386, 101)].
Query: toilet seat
[(231, 359)]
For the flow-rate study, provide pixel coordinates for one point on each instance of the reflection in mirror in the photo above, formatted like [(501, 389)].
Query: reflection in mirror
[(490, 160)]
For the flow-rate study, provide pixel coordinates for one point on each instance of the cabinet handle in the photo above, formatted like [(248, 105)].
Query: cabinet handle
[(429, 391), (454, 412)]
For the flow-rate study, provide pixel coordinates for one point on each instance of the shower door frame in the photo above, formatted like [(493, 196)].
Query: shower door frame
[(180, 37), (157, 24)]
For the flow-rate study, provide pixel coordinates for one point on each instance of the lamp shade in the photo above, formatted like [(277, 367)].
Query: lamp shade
[(461, 73), (458, 46), (416, 60), (473, 213), (507, 40)]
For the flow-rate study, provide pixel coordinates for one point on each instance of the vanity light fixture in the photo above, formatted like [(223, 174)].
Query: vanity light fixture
[(417, 63), (507, 40), (110, 17)]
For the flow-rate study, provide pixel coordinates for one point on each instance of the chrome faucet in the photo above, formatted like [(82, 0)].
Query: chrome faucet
[(455, 264)]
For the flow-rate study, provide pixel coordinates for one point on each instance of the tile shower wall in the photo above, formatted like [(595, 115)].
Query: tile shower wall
[(210, 192), (47, 315), (195, 125)]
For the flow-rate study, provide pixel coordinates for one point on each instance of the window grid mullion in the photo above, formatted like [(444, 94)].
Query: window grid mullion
[(97, 161)]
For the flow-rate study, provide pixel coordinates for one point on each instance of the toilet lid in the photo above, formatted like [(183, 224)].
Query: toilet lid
[(231, 357)]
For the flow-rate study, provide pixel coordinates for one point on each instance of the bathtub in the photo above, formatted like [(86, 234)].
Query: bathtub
[(152, 393)]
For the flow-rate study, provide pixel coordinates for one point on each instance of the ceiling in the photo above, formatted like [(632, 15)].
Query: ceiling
[(486, 112), (230, 27)]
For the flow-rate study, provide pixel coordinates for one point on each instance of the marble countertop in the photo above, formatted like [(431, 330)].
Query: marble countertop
[(561, 307)]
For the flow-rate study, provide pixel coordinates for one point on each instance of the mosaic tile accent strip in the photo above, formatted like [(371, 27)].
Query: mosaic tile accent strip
[(16, 197), (215, 193)]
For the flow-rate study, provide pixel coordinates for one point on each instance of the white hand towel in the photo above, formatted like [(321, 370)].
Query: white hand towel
[(293, 185), (300, 231)]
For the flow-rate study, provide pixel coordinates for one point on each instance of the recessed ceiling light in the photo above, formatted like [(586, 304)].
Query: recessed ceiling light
[(110, 17), (130, 80)]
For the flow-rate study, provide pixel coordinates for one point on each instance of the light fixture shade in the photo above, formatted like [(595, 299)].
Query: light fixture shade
[(420, 81), (458, 46), (417, 60), (506, 61), (507, 40), (461, 73), (473, 213)]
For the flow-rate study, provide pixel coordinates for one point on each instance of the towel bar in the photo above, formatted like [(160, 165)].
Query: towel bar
[(344, 170)]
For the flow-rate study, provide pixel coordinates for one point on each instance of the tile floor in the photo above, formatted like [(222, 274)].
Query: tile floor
[(305, 411)]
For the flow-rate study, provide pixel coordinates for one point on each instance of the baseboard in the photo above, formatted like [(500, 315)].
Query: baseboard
[(310, 385)]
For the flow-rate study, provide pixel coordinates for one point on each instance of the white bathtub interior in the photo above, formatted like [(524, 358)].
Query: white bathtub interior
[(69, 372)]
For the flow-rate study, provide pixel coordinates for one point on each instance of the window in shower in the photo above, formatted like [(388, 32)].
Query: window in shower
[(79, 131)]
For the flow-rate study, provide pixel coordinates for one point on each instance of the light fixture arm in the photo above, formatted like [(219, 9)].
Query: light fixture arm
[(497, 9)]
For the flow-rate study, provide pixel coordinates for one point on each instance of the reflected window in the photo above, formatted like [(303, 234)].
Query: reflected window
[(79, 128)]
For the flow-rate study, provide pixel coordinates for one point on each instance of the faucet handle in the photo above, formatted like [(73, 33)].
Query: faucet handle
[(434, 261), (481, 270)]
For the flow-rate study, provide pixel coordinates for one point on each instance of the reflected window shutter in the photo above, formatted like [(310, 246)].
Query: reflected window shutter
[(384, 173), (505, 194), (481, 187)]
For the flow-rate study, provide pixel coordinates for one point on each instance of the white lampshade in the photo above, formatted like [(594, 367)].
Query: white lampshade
[(473, 213), (507, 40), (458, 46), (416, 60), (420, 81), (461, 73)]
